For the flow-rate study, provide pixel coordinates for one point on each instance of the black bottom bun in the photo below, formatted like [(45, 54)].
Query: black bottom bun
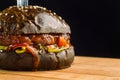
[(47, 61)]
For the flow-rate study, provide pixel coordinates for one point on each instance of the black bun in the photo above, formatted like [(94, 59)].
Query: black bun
[(48, 61), (31, 20)]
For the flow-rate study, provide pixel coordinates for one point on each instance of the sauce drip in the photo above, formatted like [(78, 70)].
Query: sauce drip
[(33, 51)]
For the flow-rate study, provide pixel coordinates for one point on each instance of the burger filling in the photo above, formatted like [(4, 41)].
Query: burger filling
[(48, 42), (32, 44)]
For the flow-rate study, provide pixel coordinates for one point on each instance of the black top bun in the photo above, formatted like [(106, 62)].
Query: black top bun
[(31, 20)]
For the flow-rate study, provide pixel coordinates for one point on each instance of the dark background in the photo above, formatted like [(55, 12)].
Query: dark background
[(95, 25)]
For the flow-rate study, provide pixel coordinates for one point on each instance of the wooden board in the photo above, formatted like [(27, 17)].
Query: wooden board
[(83, 68)]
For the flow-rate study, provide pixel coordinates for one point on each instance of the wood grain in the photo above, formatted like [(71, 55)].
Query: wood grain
[(83, 68)]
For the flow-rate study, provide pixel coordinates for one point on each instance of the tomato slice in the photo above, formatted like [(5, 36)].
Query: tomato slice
[(62, 42)]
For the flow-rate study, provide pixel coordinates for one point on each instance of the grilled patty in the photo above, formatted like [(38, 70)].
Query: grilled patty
[(44, 39)]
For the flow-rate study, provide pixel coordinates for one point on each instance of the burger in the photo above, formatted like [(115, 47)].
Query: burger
[(34, 38)]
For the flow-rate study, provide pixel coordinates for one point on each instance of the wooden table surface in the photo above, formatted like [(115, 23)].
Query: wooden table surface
[(83, 68)]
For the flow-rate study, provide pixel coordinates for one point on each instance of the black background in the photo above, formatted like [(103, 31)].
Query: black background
[(95, 25)]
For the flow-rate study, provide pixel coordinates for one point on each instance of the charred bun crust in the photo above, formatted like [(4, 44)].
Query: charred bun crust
[(48, 61), (31, 20)]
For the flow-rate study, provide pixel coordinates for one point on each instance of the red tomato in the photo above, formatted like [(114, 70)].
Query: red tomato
[(62, 42)]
